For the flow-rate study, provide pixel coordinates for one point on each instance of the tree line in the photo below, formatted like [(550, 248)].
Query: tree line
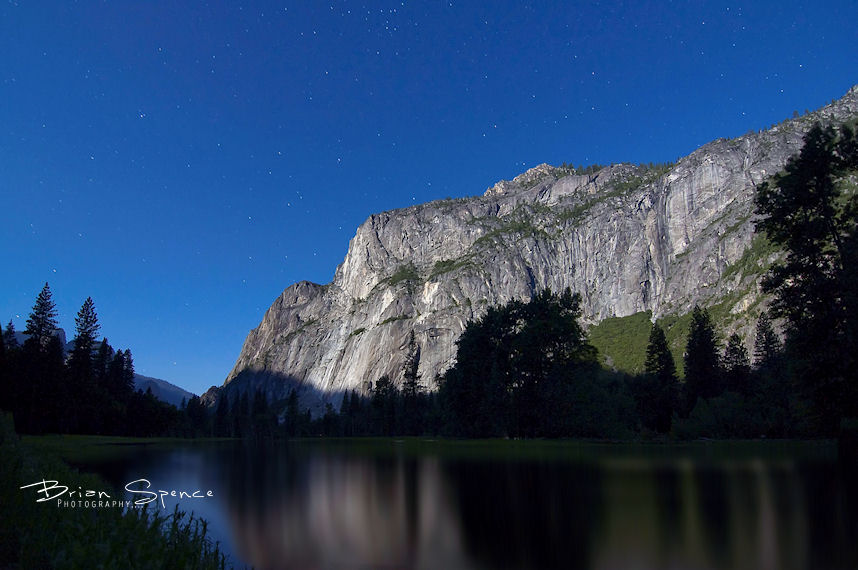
[(89, 390)]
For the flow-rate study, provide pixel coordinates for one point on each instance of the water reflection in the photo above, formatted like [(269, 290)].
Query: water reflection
[(319, 505)]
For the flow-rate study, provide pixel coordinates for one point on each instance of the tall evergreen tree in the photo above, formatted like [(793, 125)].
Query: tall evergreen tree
[(412, 416), (221, 419), (702, 367), (737, 365), (42, 321), (767, 343), (41, 368), (101, 365), (86, 327), (803, 210), (657, 390), (9, 336), (411, 383), (5, 378), (81, 372), (88, 402), (128, 370)]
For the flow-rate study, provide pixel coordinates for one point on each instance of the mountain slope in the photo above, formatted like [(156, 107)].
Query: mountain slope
[(628, 238), (162, 390)]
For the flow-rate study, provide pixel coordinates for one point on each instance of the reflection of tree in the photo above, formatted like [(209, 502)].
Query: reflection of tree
[(527, 514), (713, 505)]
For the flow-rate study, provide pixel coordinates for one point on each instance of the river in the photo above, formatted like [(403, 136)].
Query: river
[(417, 503)]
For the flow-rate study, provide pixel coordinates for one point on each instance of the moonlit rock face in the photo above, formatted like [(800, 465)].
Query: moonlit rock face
[(626, 238)]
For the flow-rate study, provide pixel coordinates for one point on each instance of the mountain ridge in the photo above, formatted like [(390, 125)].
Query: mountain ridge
[(628, 238)]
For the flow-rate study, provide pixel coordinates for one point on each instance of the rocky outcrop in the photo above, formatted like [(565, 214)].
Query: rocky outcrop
[(628, 238)]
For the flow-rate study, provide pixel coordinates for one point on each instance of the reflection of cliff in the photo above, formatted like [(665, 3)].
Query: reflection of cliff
[(305, 508), (363, 504), (306, 505)]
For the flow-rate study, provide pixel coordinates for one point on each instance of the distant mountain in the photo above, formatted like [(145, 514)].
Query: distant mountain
[(162, 390)]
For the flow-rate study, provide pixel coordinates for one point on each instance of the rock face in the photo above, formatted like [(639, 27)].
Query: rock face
[(628, 238)]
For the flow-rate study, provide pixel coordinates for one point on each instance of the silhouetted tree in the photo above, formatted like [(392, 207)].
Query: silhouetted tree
[(657, 390), (9, 336), (702, 370), (42, 321), (384, 404), (803, 211), (737, 365), (223, 426), (412, 392), (513, 365), (767, 343)]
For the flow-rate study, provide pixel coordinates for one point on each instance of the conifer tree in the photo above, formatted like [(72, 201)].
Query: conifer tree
[(9, 336), (100, 366), (737, 365), (804, 211), (702, 367), (42, 321), (767, 343), (127, 372), (5, 389), (411, 383), (221, 421), (657, 390), (81, 361)]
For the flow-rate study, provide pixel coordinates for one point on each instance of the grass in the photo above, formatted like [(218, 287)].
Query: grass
[(622, 341), (406, 273), (754, 260), (394, 319), (448, 265), (43, 535), (92, 448)]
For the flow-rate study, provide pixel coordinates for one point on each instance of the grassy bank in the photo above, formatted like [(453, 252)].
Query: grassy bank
[(44, 535), (91, 448)]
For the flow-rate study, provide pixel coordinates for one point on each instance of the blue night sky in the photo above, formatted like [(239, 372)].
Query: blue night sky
[(183, 165)]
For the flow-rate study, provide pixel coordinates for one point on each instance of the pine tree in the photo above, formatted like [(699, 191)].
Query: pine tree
[(657, 391), (767, 343), (81, 359), (9, 336), (42, 321), (803, 211), (100, 366), (128, 372), (702, 367), (412, 415), (737, 365), (86, 327), (87, 400), (411, 383), (222, 423), (5, 379)]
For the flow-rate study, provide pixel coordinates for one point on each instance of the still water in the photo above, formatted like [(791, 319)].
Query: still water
[(425, 504)]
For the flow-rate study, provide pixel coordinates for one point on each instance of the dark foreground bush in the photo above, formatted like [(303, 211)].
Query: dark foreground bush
[(41, 535)]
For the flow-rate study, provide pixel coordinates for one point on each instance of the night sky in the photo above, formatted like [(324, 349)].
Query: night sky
[(183, 165)]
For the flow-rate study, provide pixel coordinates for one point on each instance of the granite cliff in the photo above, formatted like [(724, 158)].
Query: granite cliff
[(628, 238)]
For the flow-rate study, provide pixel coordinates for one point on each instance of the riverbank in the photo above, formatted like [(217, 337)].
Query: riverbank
[(88, 449), (85, 533)]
